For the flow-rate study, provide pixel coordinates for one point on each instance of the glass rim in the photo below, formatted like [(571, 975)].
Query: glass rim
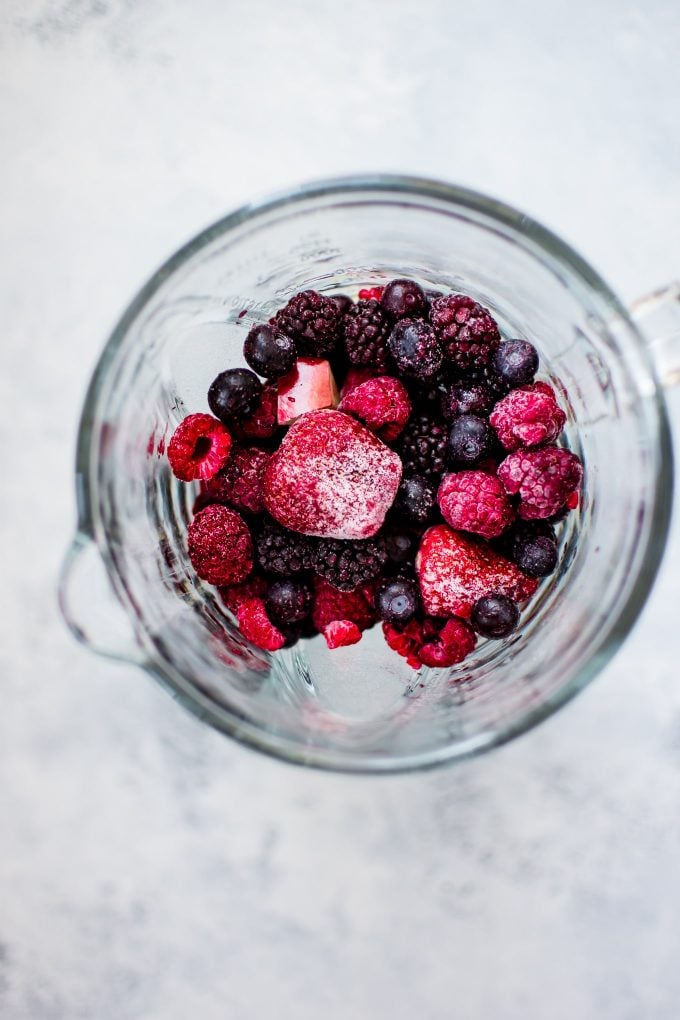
[(527, 229)]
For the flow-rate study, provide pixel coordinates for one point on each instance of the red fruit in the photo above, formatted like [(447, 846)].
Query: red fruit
[(220, 546), (454, 642), (309, 386), (256, 626), (528, 416), (240, 481), (545, 479), (331, 477), (262, 423), (355, 377), (332, 606), (235, 595), (382, 403), (454, 571), (405, 642), (475, 501), (199, 447), (371, 293), (340, 633)]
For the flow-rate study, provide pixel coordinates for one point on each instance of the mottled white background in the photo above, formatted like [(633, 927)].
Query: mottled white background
[(150, 869)]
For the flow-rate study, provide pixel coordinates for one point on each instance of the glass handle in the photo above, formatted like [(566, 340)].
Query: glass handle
[(658, 317), (89, 606)]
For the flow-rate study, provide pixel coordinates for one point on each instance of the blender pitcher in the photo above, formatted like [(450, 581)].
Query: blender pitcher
[(128, 589)]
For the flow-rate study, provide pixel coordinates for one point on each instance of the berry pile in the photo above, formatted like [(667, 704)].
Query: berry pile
[(390, 459)]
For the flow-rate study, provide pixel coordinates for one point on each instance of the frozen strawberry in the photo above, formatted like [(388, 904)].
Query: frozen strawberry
[(309, 386), (199, 447), (454, 571), (331, 477), (340, 633), (235, 595), (240, 482), (452, 644), (220, 546), (545, 479), (381, 403), (262, 423), (256, 626), (331, 606), (475, 501), (528, 416)]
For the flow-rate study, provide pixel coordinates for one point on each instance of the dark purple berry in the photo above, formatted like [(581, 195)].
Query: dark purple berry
[(415, 349), (288, 602), (467, 332), (494, 616), (516, 362), (312, 320), (397, 600), (535, 555), (471, 439), (467, 398), (268, 351), (365, 329), (342, 303), (234, 394), (401, 547), (347, 563), (422, 446), (404, 297), (416, 499)]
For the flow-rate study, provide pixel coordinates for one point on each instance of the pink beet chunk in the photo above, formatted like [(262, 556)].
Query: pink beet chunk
[(309, 386), (331, 477)]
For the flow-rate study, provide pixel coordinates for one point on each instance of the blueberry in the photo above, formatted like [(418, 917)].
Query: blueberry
[(535, 555), (466, 398), (397, 601), (288, 602), (471, 439), (269, 352), (234, 394), (494, 616), (516, 362), (415, 499), (415, 348), (401, 547), (342, 302), (403, 297)]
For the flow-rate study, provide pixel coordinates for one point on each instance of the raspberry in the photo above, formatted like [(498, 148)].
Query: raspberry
[(466, 330), (220, 546), (382, 403), (283, 552), (262, 423), (240, 481), (340, 633), (528, 416), (544, 479), (235, 595), (256, 626), (365, 329), (346, 565), (312, 320), (371, 293), (475, 501), (422, 446), (331, 606), (454, 642), (199, 447), (405, 641), (355, 377)]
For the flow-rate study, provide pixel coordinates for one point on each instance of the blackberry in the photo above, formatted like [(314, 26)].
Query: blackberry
[(467, 332), (283, 552), (365, 329), (312, 320), (422, 446), (347, 564)]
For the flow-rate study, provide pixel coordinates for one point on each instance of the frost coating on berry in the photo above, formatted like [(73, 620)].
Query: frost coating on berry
[(454, 572), (240, 482), (199, 447), (220, 546), (331, 477), (414, 346), (454, 642), (467, 331), (256, 626), (331, 605), (475, 501), (528, 416), (345, 564), (340, 633), (544, 479), (381, 403)]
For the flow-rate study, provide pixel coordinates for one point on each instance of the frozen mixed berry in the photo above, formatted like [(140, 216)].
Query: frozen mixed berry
[(397, 601), (341, 633), (535, 554), (494, 616), (402, 298), (543, 478), (415, 349), (516, 362), (288, 602), (240, 482), (365, 330), (467, 398), (220, 546), (470, 440), (309, 386), (234, 394), (256, 626), (401, 548), (422, 446), (382, 403), (268, 351), (416, 499), (406, 641), (312, 320), (342, 302), (475, 501), (333, 606), (451, 645), (262, 423), (234, 595), (199, 448), (371, 293), (282, 552), (467, 332), (528, 416), (347, 564)]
